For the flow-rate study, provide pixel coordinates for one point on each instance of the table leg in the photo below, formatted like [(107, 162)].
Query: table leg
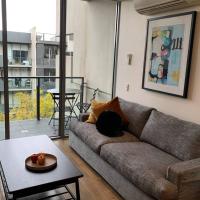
[(77, 190)]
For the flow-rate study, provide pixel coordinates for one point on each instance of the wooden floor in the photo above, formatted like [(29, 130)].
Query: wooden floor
[(92, 186)]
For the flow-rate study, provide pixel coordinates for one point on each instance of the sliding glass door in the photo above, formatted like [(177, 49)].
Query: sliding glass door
[(53, 50), (37, 102), (2, 116), (33, 59)]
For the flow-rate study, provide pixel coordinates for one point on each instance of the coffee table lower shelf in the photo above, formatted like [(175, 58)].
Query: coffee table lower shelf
[(19, 195)]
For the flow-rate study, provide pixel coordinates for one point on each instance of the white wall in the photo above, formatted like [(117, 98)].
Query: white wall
[(100, 44), (33, 55), (132, 40), (76, 23), (93, 25)]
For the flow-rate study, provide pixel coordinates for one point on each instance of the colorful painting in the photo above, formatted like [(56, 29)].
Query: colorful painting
[(167, 53)]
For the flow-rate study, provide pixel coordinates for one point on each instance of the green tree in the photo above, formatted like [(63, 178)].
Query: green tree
[(1, 116), (26, 106), (46, 105)]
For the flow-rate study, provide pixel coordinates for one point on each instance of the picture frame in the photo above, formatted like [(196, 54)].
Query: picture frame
[(168, 53)]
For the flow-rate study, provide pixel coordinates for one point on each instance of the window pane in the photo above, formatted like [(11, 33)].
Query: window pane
[(2, 116), (32, 53)]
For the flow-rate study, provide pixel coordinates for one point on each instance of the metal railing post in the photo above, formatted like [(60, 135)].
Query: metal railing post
[(38, 99), (81, 96), (116, 45)]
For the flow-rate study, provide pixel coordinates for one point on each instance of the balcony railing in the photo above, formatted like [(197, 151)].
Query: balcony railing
[(46, 63), (30, 93), (54, 39), (18, 62), (45, 37), (31, 113), (20, 84), (38, 87)]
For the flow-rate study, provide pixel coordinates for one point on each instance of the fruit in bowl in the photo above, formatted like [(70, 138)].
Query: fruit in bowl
[(41, 159), (34, 158), (38, 158)]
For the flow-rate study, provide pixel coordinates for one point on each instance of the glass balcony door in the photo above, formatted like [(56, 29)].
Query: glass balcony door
[(35, 68), (31, 69), (42, 56), (2, 105)]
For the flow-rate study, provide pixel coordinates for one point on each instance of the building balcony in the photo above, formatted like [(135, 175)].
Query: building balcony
[(46, 63), (30, 112), (19, 84), (52, 39), (47, 38), (16, 63)]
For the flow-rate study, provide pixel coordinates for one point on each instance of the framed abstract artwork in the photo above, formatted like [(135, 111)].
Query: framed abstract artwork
[(168, 54)]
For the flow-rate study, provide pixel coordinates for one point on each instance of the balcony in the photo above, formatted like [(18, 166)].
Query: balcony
[(47, 37), (31, 111), (20, 84), (22, 63), (52, 39), (46, 63), (31, 127), (16, 63)]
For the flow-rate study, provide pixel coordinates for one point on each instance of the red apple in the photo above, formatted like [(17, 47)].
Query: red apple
[(34, 158)]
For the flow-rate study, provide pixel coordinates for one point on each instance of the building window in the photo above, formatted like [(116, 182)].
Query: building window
[(20, 57), (50, 51)]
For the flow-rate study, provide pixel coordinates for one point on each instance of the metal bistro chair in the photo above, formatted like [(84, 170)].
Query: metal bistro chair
[(86, 105), (55, 108), (71, 100), (68, 109)]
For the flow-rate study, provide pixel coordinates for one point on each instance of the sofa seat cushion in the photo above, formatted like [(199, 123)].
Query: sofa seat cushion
[(137, 116), (177, 137), (90, 135), (144, 165)]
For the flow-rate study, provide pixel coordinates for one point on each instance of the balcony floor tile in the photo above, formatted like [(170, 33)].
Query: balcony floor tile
[(25, 128)]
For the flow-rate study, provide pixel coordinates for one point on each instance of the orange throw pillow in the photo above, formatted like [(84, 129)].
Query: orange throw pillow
[(112, 105), (92, 119)]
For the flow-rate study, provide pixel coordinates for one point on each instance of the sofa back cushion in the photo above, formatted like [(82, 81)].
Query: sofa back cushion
[(137, 116), (175, 136)]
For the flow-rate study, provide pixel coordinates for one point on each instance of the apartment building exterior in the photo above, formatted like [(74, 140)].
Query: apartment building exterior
[(29, 55)]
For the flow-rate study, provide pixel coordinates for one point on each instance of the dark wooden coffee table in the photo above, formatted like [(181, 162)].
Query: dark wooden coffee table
[(19, 182)]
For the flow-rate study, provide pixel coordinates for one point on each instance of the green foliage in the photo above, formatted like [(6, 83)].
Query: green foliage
[(26, 106), (1, 116), (46, 105), (25, 109)]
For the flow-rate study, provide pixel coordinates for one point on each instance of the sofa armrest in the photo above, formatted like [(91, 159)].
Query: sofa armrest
[(183, 172), (186, 175), (83, 117)]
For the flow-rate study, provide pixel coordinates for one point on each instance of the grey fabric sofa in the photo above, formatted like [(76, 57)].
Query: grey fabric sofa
[(158, 157)]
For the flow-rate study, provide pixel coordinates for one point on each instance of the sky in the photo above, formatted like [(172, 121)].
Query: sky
[(22, 15)]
